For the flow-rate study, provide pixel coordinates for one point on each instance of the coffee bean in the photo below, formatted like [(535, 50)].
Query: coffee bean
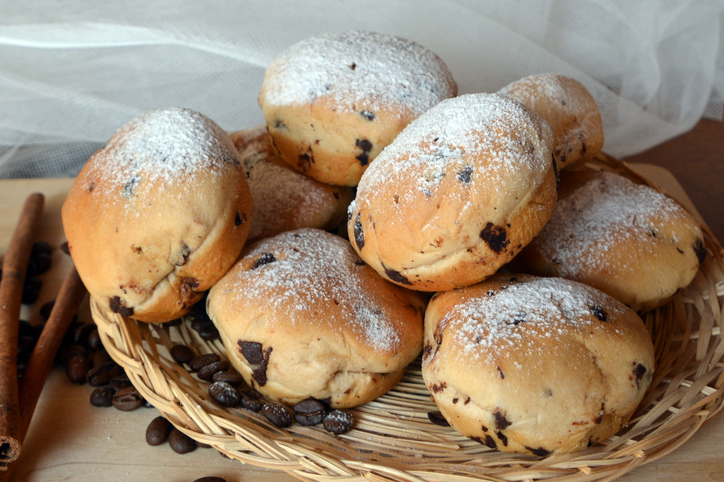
[(76, 369), (24, 328), (31, 290), (224, 394), (69, 351), (102, 374), (100, 357), (251, 400), (199, 362), (80, 334), (102, 397), (207, 372), (277, 414), (157, 431), (210, 479), (37, 330), (43, 263), (120, 381), (437, 419), (169, 324), (198, 317), (40, 247), (232, 378), (180, 442), (127, 399), (25, 345), (310, 411), (209, 332), (30, 269), (338, 422), (202, 445), (46, 308), (181, 354), (93, 342)]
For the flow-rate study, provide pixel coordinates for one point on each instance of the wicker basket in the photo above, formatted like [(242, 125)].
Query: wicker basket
[(393, 440)]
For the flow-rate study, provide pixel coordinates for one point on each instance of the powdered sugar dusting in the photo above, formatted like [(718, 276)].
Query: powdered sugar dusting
[(512, 140), (279, 191), (356, 66), (545, 88), (312, 266), (163, 145), (606, 211), (540, 307)]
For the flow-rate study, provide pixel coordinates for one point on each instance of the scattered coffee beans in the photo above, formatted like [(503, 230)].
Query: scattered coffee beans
[(277, 414), (93, 342), (232, 378), (77, 368), (102, 397), (180, 442), (127, 399), (224, 394), (46, 308), (181, 354), (157, 431), (338, 422), (207, 372), (102, 374), (201, 361), (251, 400), (210, 479), (310, 411)]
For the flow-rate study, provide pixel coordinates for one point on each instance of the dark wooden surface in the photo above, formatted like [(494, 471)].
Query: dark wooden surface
[(696, 159)]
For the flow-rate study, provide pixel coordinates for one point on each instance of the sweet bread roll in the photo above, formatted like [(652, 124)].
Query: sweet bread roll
[(569, 108), (535, 365), (285, 199), (302, 316), (158, 215), (457, 194), (626, 239), (333, 102)]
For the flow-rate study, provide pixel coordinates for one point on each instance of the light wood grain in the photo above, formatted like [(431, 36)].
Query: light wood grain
[(71, 440)]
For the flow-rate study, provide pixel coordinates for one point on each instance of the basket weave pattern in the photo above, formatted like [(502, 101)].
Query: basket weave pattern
[(393, 439)]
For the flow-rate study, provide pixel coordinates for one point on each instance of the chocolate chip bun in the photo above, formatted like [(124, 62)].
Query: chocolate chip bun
[(535, 365), (628, 240), (285, 199), (302, 316), (457, 194), (569, 108), (333, 102), (158, 215)]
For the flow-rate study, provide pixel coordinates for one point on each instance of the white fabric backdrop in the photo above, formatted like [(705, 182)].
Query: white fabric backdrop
[(72, 72)]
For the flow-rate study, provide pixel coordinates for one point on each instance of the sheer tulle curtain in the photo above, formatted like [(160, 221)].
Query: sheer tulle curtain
[(71, 73)]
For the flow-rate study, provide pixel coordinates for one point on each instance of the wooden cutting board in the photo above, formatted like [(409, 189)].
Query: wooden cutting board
[(69, 439)]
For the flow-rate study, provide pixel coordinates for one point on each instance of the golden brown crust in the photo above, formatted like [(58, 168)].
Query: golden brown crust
[(285, 199), (301, 316), (535, 365), (456, 195), (627, 240), (149, 236), (569, 108)]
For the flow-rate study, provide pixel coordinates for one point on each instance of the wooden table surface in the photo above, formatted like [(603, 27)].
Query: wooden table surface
[(71, 440)]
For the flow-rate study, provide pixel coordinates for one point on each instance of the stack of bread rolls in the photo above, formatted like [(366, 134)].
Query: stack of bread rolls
[(486, 200)]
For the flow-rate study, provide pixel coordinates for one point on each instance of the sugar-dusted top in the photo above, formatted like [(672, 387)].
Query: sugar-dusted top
[(500, 320), (607, 210), (549, 89), (356, 66), (163, 145), (301, 268), (494, 135)]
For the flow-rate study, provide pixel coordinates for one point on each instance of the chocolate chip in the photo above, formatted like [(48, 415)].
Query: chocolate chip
[(129, 187), (540, 451), (466, 174), (180, 442), (265, 258), (489, 441), (640, 372), (396, 276), (233, 379), (598, 312), (359, 235), (102, 397), (310, 411), (501, 423), (199, 362), (277, 414), (252, 351), (224, 394), (127, 399), (438, 419), (181, 354), (700, 250), (519, 318), (207, 373), (158, 431), (363, 158), (555, 170), (367, 115), (251, 400), (500, 372), (305, 160), (502, 438), (495, 237), (353, 66), (117, 307), (366, 147), (240, 218), (338, 422), (259, 373)]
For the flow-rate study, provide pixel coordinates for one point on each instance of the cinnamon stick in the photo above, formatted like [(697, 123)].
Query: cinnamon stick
[(11, 289)]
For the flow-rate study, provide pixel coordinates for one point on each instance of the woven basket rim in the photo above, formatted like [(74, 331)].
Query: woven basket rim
[(393, 440)]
